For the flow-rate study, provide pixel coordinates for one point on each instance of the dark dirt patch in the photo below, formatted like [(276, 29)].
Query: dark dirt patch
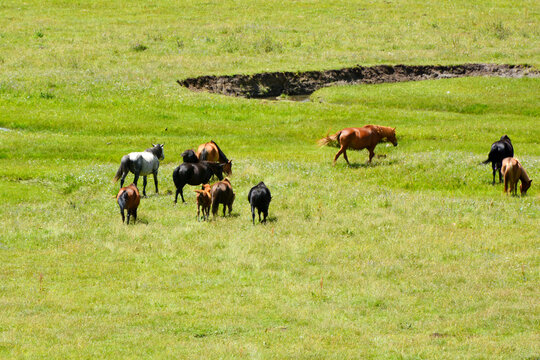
[(303, 83)]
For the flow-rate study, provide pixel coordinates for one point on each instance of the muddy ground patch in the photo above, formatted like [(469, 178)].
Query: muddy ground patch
[(304, 83)]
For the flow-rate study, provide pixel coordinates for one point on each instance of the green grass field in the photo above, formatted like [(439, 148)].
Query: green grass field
[(416, 256)]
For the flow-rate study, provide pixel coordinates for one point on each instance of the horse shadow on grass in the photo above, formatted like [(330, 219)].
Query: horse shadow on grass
[(364, 165), (271, 219)]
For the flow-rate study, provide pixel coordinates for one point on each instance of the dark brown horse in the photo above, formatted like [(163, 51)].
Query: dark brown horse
[(210, 151), (222, 193), (366, 137)]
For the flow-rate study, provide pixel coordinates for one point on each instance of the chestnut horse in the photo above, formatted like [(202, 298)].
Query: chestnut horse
[(210, 151), (513, 171), (366, 137), (128, 198)]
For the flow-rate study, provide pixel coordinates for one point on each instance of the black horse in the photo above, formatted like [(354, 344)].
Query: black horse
[(195, 174), (189, 156), (499, 150), (259, 197), (141, 164)]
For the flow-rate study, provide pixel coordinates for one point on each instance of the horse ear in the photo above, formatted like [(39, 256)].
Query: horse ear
[(162, 145), (153, 145)]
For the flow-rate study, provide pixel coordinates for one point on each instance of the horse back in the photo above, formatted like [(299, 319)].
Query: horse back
[(511, 169), (358, 138), (259, 197), (192, 174), (500, 150), (128, 197), (222, 192), (208, 152), (143, 162)]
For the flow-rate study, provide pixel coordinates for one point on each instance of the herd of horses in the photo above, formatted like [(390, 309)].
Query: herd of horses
[(199, 167)]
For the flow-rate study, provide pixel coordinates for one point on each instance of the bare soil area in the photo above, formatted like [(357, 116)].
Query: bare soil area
[(273, 84)]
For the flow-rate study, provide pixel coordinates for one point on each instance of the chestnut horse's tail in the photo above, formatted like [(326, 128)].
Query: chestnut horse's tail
[(331, 140)]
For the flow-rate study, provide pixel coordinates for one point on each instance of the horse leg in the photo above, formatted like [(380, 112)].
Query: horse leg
[(265, 214), (345, 157), (341, 151), (253, 214), (198, 209), (123, 216), (134, 216), (123, 179), (128, 215), (155, 181), (144, 186), (135, 179), (494, 167), (371, 154), (224, 209), (181, 194)]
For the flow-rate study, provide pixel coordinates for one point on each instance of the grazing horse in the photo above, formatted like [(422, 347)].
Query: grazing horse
[(210, 151), (259, 197), (366, 137), (499, 150), (128, 198), (204, 200), (189, 156), (222, 193), (141, 163), (195, 174), (513, 171)]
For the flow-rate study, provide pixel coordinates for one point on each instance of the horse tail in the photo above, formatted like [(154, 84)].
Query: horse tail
[(331, 140), (203, 155), (222, 157), (122, 169), (489, 159), (122, 200)]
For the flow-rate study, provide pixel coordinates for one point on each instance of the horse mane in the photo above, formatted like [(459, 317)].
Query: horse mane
[(222, 156), (383, 130), (212, 165), (154, 150)]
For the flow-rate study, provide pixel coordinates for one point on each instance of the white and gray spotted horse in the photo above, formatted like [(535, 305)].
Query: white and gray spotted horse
[(141, 164)]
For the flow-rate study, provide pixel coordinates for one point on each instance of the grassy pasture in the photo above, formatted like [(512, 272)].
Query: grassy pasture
[(414, 256)]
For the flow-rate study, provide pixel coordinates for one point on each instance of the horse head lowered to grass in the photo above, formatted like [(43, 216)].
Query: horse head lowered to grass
[(141, 163), (366, 137)]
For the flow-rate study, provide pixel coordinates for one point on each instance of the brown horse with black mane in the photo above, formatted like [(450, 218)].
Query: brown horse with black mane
[(366, 137), (210, 151)]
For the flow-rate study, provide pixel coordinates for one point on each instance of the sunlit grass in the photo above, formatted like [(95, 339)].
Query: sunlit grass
[(414, 256)]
